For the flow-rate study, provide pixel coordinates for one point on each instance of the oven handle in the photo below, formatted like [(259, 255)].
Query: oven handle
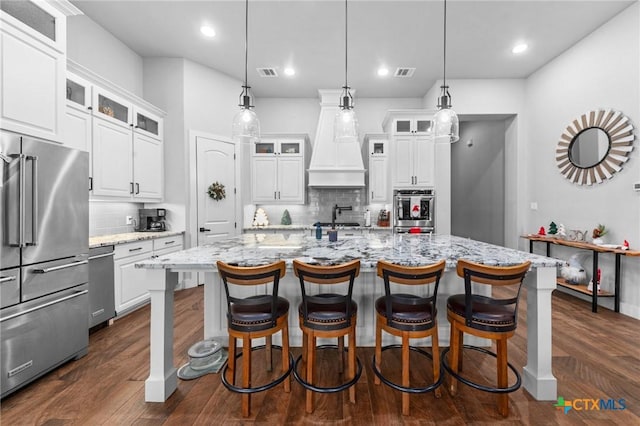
[(44, 305)]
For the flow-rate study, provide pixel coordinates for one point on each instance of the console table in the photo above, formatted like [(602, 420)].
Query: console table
[(596, 249)]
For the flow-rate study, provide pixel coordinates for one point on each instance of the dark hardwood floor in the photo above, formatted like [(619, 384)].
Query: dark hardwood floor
[(595, 356)]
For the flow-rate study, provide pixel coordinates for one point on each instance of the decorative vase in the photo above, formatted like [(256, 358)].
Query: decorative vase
[(598, 241)]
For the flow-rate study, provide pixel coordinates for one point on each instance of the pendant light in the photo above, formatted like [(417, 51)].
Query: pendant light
[(246, 125), (445, 121), (345, 125)]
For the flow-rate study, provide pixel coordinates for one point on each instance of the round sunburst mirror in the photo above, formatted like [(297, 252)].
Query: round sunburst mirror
[(594, 147)]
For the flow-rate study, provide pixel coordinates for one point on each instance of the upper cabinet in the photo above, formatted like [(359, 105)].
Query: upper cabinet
[(77, 126), (278, 164), (33, 67), (413, 148), (111, 107), (412, 126), (123, 134), (376, 158)]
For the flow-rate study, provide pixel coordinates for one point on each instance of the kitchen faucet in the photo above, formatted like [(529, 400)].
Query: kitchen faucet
[(338, 209)]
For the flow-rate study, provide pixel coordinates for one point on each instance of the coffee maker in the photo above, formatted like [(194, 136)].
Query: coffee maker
[(152, 220)]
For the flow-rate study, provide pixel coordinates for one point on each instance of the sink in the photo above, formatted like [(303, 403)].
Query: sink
[(339, 224)]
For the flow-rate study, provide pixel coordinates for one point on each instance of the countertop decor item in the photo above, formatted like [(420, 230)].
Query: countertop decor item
[(553, 228), (286, 218), (216, 191), (260, 218), (599, 232)]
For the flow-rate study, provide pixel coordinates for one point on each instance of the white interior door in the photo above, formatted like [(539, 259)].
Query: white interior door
[(215, 162)]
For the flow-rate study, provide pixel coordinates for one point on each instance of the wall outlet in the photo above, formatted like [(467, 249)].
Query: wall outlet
[(534, 206), (129, 220)]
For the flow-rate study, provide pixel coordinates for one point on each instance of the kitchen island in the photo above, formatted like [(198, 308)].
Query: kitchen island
[(405, 249)]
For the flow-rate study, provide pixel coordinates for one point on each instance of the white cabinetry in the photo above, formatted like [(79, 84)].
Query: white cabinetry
[(32, 68), (123, 138), (413, 152), (128, 160), (130, 282), (413, 163), (278, 170), (377, 164), (77, 128)]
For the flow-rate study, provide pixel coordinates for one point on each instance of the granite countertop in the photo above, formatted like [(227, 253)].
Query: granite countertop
[(312, 227), (405, 249), (114, 239)]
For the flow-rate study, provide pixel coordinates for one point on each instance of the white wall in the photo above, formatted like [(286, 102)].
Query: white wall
[(601, 71), (164, 87), (300, 115), (97, 49)]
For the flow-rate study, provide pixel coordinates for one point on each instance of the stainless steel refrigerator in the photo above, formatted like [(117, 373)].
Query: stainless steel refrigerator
[(44, 218)]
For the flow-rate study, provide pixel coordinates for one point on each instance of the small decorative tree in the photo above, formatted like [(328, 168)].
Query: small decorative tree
[(286, 218), (553, 228)]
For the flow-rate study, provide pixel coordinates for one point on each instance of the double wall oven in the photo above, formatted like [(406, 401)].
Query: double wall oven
[(413, 210)]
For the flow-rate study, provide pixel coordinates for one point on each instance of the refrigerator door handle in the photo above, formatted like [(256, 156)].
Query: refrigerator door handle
[(21, 199), (57, 268), (7, 279), (34, 201), (44, 305)]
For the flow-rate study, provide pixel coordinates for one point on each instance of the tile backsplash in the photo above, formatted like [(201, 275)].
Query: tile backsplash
[(320, 202), (106, 218)]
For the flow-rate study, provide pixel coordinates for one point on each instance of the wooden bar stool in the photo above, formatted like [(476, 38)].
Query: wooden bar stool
[(485, 317), (409, 316), (253, 317), (327, 315)]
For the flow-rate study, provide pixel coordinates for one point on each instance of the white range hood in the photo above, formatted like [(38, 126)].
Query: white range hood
[(334, 165)]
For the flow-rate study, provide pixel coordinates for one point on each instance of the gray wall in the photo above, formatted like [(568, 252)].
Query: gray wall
[(477, 182)]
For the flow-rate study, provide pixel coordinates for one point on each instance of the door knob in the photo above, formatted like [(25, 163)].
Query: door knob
[(204, 230)]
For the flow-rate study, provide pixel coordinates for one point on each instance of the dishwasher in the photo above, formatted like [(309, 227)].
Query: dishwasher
[(101, 291)]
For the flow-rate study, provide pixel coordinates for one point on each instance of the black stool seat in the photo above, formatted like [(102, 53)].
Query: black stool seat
[(417, 313), (484, 311), (260, 313), (327, 309)]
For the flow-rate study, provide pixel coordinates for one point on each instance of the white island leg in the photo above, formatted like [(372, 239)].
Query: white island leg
[(162, 381), (538, 376)]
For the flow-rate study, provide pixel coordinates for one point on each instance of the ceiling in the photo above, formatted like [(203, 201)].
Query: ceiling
[(310, 36)]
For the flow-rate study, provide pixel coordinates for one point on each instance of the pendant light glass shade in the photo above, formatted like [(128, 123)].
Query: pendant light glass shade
[(345, 124), (246, 126), (446, 127)]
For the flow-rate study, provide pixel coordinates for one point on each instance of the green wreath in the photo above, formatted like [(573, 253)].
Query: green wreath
[(216, 191)]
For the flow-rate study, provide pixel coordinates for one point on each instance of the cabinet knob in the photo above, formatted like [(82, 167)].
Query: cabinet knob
[(205, 230), (90, 108)]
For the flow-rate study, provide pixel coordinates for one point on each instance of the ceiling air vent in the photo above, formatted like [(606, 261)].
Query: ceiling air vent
[(267, 72), (404, 72)]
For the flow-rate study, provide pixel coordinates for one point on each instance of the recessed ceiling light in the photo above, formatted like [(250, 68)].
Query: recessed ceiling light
[(208, 31), (519, 48), (289, 71), (382, 71)]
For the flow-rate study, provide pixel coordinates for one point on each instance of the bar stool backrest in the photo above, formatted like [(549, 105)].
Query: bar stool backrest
[(478, 273), (410, 275), (232, 275), (330, 274)]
